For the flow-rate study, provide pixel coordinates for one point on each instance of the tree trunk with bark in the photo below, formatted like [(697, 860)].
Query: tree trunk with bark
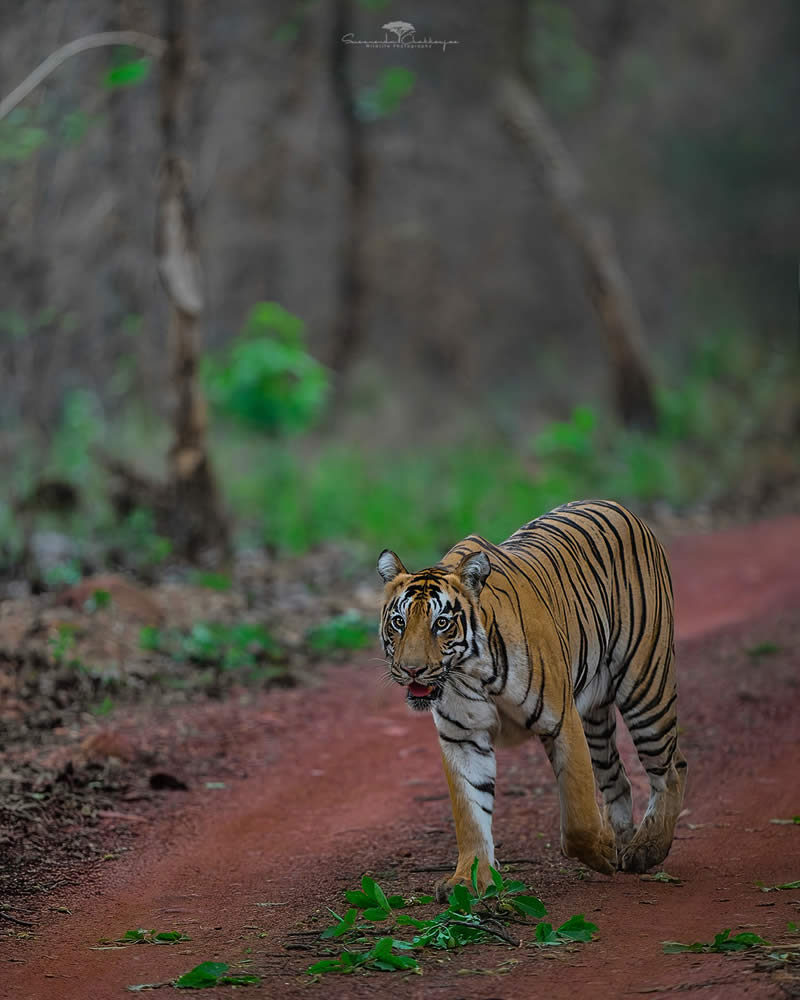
[(608, 285), (199, 523)]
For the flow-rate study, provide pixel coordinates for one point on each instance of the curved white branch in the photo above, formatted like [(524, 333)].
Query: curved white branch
[(136, 39)]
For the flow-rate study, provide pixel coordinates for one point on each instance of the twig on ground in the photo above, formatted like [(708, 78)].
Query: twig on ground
[(16, 920)]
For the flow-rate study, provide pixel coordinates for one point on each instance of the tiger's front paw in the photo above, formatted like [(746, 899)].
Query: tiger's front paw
[(597, 849), (442, 887), (462, 876)]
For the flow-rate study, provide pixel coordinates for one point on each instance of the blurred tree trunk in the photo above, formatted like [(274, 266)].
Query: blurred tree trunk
[(199, 522), (608, 285), (348, 328)]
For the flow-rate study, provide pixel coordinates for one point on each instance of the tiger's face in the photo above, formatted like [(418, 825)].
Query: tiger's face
[(430, 622)]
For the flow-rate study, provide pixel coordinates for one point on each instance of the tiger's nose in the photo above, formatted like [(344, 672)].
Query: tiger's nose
[(413, 671)]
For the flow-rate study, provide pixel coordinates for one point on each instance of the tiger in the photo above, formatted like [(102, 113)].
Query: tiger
[(546, 635)]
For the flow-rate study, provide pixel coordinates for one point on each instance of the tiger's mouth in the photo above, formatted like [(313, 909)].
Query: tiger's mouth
[(421, 696)]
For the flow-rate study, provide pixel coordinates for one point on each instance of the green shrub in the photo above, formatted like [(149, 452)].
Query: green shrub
[(266, 378)]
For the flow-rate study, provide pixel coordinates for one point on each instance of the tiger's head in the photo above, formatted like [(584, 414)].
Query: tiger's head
[(431, 622)]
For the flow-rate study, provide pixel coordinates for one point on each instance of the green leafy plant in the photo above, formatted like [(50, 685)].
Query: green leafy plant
[(19, 137), (128, 70), (393, 86), (64, 574), (346, 631), (212, 581), (381, 956), (62, 645), (723, 942), (140, 536), (227, 647), (99, 599), (470, 917), (577, 928), (141, 935), (266, 378), (104, 707), (569, 439), (782, 885), (762, 649), (208, 974), (79, 428), (565, 69)]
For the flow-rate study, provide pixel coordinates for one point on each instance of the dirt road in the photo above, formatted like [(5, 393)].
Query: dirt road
[(343, 779)]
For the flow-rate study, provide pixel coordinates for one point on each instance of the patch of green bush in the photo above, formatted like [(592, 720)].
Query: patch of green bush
[(265, 378)]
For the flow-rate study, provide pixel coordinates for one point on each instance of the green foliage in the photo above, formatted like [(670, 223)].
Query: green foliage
[(381, 956), (143, 936), (762, 649), (577, 928), (128, 70), (24, 131), (13, 324), (74, 126), (19, 138), (212, 581), (139, 537), (62, 645), (393, 86), (565, 71), (105, 707), (79, 429), (781, 885), (345, 632), (64, 574), (723, 942), (266, 378), (570, 439), (98, 600), (471, 917), (209, 974), (227, 647)]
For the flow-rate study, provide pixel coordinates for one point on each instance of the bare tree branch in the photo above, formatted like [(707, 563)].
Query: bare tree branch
[(136, 39), (609, 289)]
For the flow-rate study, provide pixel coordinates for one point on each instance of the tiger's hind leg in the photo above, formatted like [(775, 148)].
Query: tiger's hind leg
[(651, 718), (600, 727)]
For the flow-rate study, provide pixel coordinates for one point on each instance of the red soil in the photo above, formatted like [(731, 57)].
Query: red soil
[(343, 779)]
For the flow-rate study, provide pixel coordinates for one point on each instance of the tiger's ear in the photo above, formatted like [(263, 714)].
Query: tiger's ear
[(389, 566), (472, 571)]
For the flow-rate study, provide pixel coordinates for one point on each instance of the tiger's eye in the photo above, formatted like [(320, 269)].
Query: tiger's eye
[(442, 623), (398, 622)]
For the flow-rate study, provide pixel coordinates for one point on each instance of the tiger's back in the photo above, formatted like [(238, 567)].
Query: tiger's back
[(595, 575)]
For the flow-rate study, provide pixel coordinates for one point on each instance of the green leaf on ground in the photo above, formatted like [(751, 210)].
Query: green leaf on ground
[(782, 885), (202, 976), (763, 649), (208, 974), (531, 906), (577, 928), (723, 942)]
